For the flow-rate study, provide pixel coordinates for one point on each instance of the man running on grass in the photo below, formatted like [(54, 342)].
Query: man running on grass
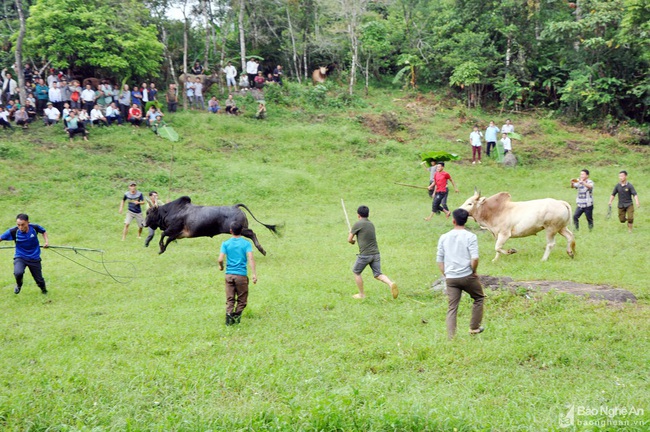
[(439, 188), (28, 250), (368, 253)]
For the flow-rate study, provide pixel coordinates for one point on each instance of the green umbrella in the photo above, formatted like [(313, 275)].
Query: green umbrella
[(438, 156), (515, 135)]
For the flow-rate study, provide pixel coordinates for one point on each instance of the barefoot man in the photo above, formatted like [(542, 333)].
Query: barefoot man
[(439, 188), (368, 253)]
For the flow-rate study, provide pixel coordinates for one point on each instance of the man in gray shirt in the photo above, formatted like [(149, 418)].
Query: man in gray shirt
[(364, 230), (457, 259)]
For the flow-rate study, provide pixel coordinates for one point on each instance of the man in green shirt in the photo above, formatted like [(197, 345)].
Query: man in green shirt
[(368, 253)]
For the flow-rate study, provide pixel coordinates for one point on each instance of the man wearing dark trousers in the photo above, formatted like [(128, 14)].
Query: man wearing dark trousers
[(457, 259), (28, 250), (585, 200), (238, 252)]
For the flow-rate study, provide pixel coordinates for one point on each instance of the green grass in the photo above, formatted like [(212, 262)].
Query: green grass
[(153, 354)]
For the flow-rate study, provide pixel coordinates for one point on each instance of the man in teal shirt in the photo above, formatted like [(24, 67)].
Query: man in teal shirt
[(237, 252)]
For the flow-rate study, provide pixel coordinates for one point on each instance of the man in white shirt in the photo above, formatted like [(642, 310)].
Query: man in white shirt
[(9, 87), (52, 115), (506, 142), (4, 119), (88, 98), (189, 91), (231, 75), (475, 139), (55, 96), (97, 117), (51, 78), (198, 93), (145, 94), (113, 114), (457, 259), (251, 71), (508, 127)]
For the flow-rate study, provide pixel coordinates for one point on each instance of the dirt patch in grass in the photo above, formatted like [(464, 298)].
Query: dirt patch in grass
[(582, 146), (386, 124), (592, 292)]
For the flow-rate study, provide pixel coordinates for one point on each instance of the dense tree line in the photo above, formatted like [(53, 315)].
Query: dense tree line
[(589, 59)]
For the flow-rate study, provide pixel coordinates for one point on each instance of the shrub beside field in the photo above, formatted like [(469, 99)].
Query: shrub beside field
[(153, 353)]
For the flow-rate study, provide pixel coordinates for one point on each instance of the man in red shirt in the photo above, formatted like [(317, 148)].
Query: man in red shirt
[(439, 188)]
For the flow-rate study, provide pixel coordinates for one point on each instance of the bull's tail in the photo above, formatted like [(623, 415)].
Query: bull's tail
[(570, 238), (567, 206), (275, 229)]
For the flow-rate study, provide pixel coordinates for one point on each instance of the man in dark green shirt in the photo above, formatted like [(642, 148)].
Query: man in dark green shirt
[(625, 193), (368, 253)]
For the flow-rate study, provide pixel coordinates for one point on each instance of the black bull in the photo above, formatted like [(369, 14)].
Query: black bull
[(182, 219)]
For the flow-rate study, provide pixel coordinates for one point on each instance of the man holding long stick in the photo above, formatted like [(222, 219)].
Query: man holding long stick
[(28, 251), (368, 252)]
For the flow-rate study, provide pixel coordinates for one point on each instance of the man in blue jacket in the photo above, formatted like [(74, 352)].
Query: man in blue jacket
[(28, 250)]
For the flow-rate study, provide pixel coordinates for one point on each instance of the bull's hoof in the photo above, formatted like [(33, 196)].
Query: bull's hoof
[(511, 251), (263, 252), (571, 254)]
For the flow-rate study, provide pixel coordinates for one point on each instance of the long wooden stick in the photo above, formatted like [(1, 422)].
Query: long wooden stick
[(411, 186), (347, 219)]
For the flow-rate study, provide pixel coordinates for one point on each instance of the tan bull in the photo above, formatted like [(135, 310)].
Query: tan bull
[(318, 76), (505, 218)]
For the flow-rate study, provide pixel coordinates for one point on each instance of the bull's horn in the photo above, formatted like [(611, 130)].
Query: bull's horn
[(476, 191)]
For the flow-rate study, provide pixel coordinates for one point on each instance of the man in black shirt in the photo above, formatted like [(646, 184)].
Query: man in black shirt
[(625, 193)]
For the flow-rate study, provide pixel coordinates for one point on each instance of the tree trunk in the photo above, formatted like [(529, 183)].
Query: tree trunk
[(185, 44), (172, 71), (206, 50), (304, 55), (293, 44), (222, 57), (19, 53), (578, 13), (242, 41), (354, 43), (367, 73)]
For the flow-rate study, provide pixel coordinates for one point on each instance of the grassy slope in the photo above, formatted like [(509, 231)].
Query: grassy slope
[(153, 354)]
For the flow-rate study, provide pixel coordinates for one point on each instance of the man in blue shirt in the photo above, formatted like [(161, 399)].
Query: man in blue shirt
[(491, 137), (28, 250), (238, 252)]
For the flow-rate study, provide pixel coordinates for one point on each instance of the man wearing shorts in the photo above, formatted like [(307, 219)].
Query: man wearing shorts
[(625, 193), (368, 253), (135, 199)]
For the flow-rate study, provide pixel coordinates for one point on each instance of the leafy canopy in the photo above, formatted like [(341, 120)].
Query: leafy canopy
[(94, 33)]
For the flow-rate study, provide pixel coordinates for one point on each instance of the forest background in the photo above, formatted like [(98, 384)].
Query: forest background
[(586, 60)]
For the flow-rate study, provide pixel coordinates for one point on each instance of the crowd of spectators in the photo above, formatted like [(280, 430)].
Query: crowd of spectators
[(58, 99)]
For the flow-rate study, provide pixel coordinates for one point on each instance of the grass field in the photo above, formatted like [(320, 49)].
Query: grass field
[(154, 354)]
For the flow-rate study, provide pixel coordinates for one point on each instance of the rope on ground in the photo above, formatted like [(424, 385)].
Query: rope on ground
[(103, 262)]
